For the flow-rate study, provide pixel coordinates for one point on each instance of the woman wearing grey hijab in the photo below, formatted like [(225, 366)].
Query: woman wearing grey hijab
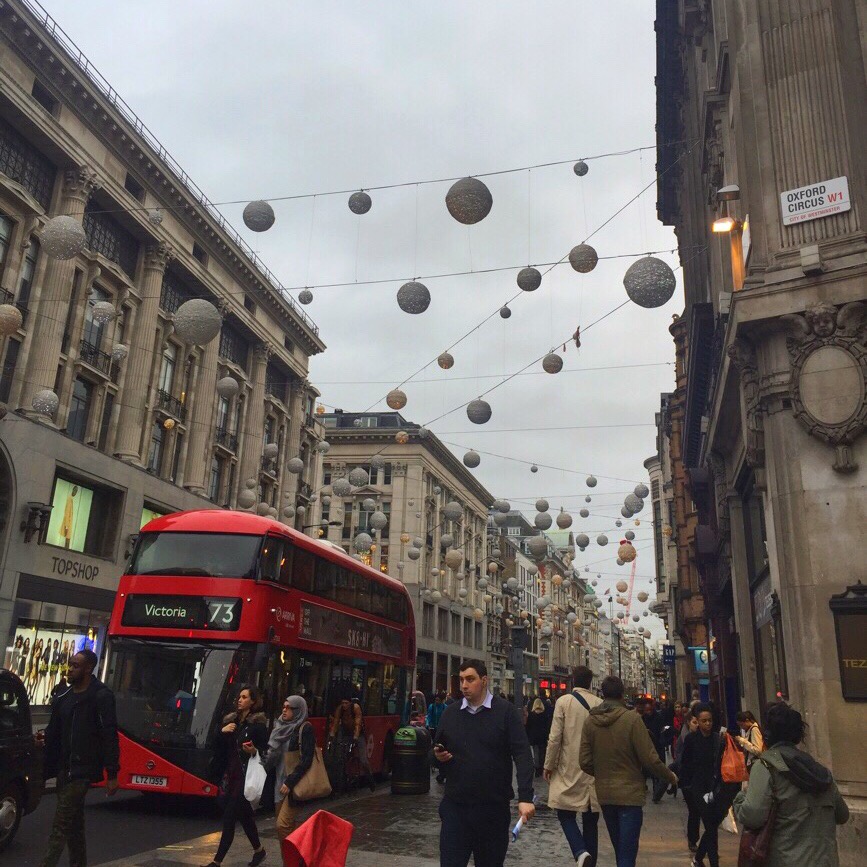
[(292, 733)]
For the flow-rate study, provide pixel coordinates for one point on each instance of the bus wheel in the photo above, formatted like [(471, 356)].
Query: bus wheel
[(385, 772)]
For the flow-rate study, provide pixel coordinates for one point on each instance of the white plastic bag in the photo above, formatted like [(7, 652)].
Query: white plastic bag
[(729, 824), (254, 780)]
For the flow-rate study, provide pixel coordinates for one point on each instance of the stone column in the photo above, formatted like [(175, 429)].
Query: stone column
[(139, 362), (293, 438), (200, 421), (254, 432), (48, 311)]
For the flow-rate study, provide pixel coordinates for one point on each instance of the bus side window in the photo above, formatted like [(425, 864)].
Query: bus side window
[(326, 580), (302, 570), (362, 592), (396, 607), (272, 554), (378, 600), (345, 587), (286, 564)]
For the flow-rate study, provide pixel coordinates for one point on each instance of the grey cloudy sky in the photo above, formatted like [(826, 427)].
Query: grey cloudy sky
[(264, 99)]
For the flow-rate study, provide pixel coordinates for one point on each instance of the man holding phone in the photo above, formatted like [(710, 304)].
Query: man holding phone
[(475, 745)]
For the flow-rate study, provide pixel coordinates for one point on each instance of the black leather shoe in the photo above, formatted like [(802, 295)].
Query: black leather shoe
[(258, 858)]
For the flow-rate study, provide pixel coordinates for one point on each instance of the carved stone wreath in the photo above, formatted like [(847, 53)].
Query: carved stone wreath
[(829, 375)]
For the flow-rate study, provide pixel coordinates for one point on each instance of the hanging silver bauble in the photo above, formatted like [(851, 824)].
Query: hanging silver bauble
[(197, 321), (377, 462), (258, 216), (532, 569), (496, 505), (10, 319), (627, 513), (580, 168), (542, 505), (571, 617), (500, 519), (341, 487), (379, 520), (103, 312), (594, 582), (423, 433), (358, 477), (437, 490), (602, 539), (618, 523), (418, 542), (583, 258), (529, 279), (246, 499), (469, 201), (591, 481), (620, 562), (413, 297), (543, 520), (263, 509), (305, 296), (495, 552), (368, 504), (626, 552), (504, 506), (227, 387), (323, 447), (534, 468), (460, 575), (447, 540), (641, 491), (512, 583), (155, 216), (643, 596), (326, 500), (649, 282), (453, 510), (360, 202), (479, 411), (538, 545), (119, 351), (505, 312), (584, 513), (63, 237), (482, 583), (542, 603), (552, 363), (463, 592), (633, 503), (396, 399), (446, 360), (582, 540), (472, 459), (564, 520), (300, 510), (597, 603), (413, 553), (363, 541), (45, 402), (295, 466), (252, 484)]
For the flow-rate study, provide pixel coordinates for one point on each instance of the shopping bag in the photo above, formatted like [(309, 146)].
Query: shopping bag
[(315, 782), (734, 765), (254, 780), (322, 841), (729, 824)]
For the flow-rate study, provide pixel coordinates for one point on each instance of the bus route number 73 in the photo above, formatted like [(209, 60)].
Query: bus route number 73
[(223, 613)]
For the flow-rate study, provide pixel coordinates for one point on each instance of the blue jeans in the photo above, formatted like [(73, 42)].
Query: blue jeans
[(578, 842), (624, 828)]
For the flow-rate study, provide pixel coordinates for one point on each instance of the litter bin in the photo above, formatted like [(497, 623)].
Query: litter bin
[(410, 762)]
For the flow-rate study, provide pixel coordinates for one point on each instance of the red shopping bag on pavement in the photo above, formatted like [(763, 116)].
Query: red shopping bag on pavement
[(734, 765), (322, 841)]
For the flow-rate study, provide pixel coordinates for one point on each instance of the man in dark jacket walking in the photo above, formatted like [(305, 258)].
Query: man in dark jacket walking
[(475, 745), (80, 742)]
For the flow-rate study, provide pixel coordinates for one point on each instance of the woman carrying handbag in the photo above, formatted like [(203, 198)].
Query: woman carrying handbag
[(291, 751), (243, 738)]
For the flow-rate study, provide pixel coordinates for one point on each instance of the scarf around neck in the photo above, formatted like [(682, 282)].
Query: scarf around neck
[(283, 730)]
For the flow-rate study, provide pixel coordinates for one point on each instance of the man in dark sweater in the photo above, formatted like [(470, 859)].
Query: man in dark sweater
[(475, 745)]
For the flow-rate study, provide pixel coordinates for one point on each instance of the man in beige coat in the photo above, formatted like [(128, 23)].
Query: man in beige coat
[(570, 790)]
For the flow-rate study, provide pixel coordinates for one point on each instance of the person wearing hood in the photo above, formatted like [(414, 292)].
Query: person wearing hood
[(809, 805), (291, 749), (80, 743), (616, 749), (244, 736)]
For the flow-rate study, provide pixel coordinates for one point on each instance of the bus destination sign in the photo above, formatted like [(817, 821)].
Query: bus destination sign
[(182, 612), (326, 626)]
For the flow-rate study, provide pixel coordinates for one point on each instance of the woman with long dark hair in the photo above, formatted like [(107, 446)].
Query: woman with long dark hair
[(809, 806), (244, 736)]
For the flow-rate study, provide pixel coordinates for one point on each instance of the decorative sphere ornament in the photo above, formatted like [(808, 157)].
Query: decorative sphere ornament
[(358, 477), (594, 582), (618, 523), (543, 602), (258, 216), (246, 499), (423, 433), (649, 282), (469, 201), (626, 552), (636, 618), (644, 613), (155, 216), (502, 506), (103, 312), (401, 566), (447, 540), (532, 569), (571, 617), (300, 510), (169, 423), (637, 523), (404, 537), (529, 279), (534, 469), (63, 237), (479, 411), (641, 491), (478, 614), (396, 399), (583, 258), (10, 319), (436, 596), (251, 484), (582, 540), (454, 558), (552, 363), (379, 520), (360, 202), (460, 575), (326, 500), (633, 503), (377, 462), (667, 531), (627, 513), (621, 586), (45, 402), (363, 541), (197, 321), (505, 312), (564, 520), (463, 593), (597, 603), (413, 553), (580, 168), (413, 297), (557, 580), (500, 519), (472, 459), (227, 387), (446, 360), (418, 542), (542, 505), (401, 437), (263, 509), (602, 539), (543, 520), (341, 487), (538, 545), (295, 466), (512, 583), (453, 510), (584, 513), (305, 296), (271, 451), (643, 596), (591, 481)]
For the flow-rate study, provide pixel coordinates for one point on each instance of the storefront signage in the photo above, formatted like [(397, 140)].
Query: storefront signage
[(327, 626), (850, 625), (763, 602), (815, 201), (668, 654), (182, 612), (74, 569), (699, 659)]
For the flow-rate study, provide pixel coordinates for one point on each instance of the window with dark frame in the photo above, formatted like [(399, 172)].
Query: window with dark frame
[(155, 450), (173, 292), (133, 187), (25, 281), (10, 362), (199, 254), (106, 236), (105, 423), (44, 96), (26, 165), (233, 346), (79, 409)]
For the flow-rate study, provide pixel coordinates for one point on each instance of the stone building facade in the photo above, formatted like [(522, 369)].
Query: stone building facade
[(761, 122), (139, 432)]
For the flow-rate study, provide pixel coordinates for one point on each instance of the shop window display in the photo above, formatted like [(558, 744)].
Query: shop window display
[(148, 514), (43, 639), (70, 515)]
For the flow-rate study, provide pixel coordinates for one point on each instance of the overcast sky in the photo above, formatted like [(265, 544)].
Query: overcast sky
[(267, 99)]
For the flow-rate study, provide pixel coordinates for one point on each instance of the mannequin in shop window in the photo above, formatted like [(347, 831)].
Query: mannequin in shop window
[(66, 526)]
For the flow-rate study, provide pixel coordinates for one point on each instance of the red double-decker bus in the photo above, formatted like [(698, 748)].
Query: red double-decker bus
[(215, 599)]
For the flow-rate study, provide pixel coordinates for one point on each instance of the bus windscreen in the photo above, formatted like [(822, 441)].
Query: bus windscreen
[(212, 555)]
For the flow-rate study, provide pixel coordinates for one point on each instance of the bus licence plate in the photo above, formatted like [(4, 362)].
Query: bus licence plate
[(158, 782)]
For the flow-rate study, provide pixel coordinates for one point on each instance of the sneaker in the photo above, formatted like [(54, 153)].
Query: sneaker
[(583, 859), (696, 863), (257, 859)]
